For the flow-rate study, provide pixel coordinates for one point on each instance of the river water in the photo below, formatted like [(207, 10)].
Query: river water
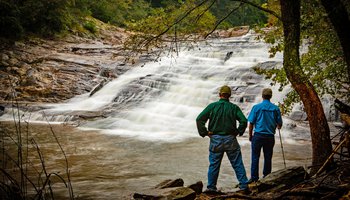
[(149, 133), (106, 166)]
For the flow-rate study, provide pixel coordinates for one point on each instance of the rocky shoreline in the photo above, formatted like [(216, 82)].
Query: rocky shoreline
[(44, 70), (289, 183), (54, 70)]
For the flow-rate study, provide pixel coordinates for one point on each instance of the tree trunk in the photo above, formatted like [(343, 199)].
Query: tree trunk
[(339, 18), (320, 134)]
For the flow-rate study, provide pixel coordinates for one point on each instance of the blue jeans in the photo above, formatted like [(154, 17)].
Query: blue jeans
[(266, 143), (219, 144)]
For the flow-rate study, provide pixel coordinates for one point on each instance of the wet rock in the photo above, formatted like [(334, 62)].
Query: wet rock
[(268, 65), (282, 179), (98, 87), (170, 183), (232, 32), (167, 189), (2, 110), (298, 116), (13, 61), (178, 193), (49, 71), (197, 187)]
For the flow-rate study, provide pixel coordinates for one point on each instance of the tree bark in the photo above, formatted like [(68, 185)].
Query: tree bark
[(340, 20), (320, 133)]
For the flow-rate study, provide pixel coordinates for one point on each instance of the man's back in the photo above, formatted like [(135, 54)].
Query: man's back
[(265, 116), (222, 117)]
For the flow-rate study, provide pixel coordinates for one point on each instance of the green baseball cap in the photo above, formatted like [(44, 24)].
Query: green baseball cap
[(225, 90)]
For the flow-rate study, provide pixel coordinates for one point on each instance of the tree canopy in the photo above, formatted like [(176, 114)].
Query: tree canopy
[(47, 18)]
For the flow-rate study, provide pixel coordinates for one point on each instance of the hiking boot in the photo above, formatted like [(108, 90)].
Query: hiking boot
[(244, 191), (212, 191), (251, 181)]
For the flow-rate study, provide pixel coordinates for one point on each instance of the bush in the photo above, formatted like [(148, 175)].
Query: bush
[(90, 26), (10, 25)]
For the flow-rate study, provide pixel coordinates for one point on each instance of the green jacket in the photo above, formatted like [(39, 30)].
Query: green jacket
[(222, 117)]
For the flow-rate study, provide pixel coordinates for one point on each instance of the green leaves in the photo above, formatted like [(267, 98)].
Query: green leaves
[(322, 58)]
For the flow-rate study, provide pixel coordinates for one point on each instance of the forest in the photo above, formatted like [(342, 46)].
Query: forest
[(46, 18)]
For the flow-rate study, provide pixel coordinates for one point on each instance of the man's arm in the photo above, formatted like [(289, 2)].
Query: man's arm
[(252, 120), (242, 122), (201, 120), (250, 130), (279, 119)]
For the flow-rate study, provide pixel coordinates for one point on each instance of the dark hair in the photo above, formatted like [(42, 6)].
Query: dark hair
[(266, 96), (225, 95)]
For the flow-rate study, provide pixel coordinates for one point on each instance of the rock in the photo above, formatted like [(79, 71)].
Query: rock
[(232, 32), (57, 72), (170, 183), (175, 193), (13, 61), (197, 187), (169, 189), (4, 57), (298, 116), (2, 110), (282, 178), (98, 87)]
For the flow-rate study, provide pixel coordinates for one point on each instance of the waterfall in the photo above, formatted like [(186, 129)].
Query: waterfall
[(160, 100)]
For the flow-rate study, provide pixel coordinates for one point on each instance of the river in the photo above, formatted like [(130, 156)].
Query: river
[(149, 134), (105, 166)]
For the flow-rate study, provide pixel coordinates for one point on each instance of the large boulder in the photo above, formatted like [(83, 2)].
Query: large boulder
[(170, 189), (281, 179)]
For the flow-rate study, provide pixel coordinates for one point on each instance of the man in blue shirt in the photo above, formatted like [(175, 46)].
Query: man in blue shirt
[(263, 118)]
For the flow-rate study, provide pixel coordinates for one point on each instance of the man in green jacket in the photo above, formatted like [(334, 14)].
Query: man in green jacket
[(222, 131)]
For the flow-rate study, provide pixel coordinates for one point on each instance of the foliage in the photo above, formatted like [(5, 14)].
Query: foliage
[(47, 18), (245, 15), (36, 16), (116, 12), (323, 62), (322, 58), (90, 26), (10, 25), (175, 21)]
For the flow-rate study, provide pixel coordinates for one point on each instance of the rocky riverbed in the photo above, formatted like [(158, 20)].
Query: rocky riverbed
[(53, 70)]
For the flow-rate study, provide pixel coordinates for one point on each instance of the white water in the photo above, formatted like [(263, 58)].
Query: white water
[(150, 134), (160, 101)]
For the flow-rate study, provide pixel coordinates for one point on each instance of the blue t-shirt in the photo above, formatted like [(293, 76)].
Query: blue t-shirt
[(265, 116)]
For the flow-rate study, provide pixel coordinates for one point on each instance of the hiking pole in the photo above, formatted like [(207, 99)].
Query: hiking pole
[(284, 160)]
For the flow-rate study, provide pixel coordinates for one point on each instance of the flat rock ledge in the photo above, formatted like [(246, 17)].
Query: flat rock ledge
[(170, 189), (266, 188)]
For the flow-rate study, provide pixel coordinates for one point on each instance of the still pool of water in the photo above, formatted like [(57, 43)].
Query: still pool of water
[(105, 166)]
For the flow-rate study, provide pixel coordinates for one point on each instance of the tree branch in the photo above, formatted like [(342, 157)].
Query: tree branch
[(260, 8), (221, 20), (176, 22)]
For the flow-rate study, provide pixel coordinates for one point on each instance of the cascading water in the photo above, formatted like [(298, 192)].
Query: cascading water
[(181, 87), (161, 100), (149, 132)]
